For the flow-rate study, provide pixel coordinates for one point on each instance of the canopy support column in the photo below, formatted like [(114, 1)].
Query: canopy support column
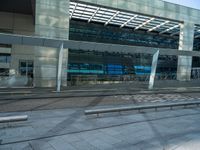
[(153, 69), (59, 72)]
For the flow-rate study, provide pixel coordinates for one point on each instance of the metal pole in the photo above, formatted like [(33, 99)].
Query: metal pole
[(59, 73), (67, 66), (153, 69)]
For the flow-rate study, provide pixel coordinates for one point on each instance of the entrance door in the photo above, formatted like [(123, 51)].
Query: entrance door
[(26, 69)]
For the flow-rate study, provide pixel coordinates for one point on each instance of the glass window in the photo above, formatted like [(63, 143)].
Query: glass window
[(5, 58), (26, 68)]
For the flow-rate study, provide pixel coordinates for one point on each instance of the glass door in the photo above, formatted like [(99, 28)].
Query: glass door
[(26, 69)]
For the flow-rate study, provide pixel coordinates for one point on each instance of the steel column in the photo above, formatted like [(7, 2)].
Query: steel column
[(59, 73), (153, 70)]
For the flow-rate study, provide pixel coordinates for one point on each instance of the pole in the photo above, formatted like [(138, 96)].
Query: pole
[(59, 73), (153, 69)]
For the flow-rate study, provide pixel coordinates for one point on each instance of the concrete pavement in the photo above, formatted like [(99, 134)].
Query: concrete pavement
[(59, 123), (70, 129)]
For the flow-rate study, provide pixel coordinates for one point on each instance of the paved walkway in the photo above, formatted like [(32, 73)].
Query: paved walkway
[(59, 123), (70, 129)]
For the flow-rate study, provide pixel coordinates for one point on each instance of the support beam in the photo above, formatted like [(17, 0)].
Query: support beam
[(167, 30), (158, 26), (59, 73), (153, 70), (197, 36), (73, 11), (96, 11), (89, 46), (112, 18), (144, 23), (174, 33), (132, 18)]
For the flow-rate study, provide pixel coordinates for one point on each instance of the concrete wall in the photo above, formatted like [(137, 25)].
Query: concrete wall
[(5, 50), (51, 21), (186, 40)]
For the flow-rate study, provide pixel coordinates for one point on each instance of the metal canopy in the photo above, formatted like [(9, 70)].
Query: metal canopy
[(122, 19), (88, 46)]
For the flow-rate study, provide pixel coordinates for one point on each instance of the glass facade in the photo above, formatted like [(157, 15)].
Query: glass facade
[(118, 66), (108, 66), (196, 44), (84, 31)]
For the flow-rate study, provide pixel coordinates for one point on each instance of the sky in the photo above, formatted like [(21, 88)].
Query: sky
[(188, 3)]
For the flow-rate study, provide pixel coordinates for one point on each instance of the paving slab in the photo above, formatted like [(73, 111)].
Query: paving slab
[(169, 129)]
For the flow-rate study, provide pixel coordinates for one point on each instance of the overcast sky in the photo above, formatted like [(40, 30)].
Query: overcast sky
[(189, 3)]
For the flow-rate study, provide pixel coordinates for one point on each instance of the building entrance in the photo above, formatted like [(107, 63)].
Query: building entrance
[(26, 69)]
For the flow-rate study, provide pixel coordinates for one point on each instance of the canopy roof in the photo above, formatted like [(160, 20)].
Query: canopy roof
[(107, 16)]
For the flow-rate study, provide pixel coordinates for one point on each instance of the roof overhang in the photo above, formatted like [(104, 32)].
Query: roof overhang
[(110, 16)]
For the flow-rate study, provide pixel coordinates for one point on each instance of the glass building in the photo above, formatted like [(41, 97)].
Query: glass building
[(142, 24)]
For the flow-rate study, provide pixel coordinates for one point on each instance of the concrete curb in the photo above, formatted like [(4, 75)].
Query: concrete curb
[(13, 119)]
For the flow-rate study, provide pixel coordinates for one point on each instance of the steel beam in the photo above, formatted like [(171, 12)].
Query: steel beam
[(91, 46)]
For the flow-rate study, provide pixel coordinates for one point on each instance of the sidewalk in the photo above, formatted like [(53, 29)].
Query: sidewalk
[(70, 129), (57, 121)]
